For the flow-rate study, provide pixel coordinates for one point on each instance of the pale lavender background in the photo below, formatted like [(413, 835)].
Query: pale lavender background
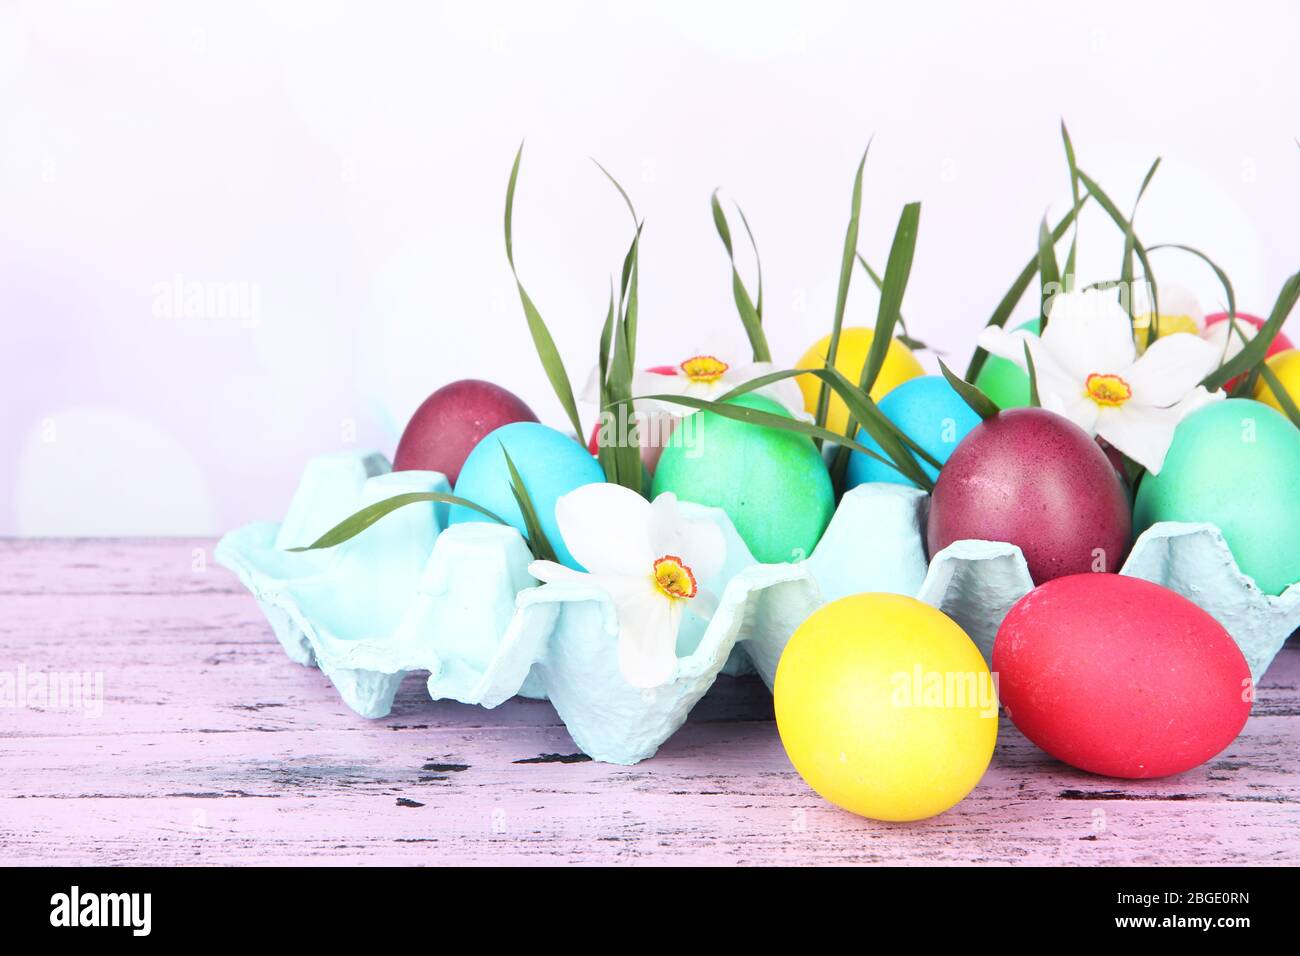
[(346, 163)]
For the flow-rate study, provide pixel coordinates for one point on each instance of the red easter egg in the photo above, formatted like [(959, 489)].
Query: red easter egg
[(451, 421), (1120, 677), (1037, 480), (1280, 342)]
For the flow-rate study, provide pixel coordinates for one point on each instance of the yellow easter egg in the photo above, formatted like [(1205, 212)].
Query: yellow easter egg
[(1286, 366), (850, 356), (1168, 325), (886, 707)]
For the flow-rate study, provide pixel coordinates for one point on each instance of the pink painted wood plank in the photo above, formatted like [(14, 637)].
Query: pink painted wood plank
[(214, 748)]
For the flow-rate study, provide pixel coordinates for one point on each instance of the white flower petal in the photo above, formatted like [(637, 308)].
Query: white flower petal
[(1080, 409), (1144, 432), (1059, 390), (704, 604), (647, 620), (1170, 368), (606, 528), (645, 382), (1008, 345), (647, 635), (1089, 332), (698, 542), (708, 391), (548, 572)]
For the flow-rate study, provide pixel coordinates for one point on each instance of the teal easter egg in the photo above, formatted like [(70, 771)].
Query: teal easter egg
[(929, 412), (1235, 464), (549, 462), (1005, 382), (772, 483)]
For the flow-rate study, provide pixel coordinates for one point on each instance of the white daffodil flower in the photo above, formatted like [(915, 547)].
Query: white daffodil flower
[(707, 373), (649, 559), (1089, 371)]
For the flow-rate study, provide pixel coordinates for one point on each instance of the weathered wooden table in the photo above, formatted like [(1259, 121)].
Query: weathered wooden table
[(213, 748)]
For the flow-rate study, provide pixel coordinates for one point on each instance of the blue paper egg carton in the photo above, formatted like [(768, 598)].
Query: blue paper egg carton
[(412, 594)]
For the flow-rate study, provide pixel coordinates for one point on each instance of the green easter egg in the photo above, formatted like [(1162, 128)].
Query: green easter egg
[(1005, 382), (772, 483), (1235, 464)]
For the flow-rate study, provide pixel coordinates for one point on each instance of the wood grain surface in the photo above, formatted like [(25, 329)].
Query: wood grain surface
[(211, 747)]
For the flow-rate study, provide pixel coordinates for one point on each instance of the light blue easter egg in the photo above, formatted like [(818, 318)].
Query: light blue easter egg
[(930, 413), (550, 463)]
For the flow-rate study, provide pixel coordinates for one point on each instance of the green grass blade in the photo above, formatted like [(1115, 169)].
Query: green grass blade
[(898, 270), (547, 352), (1074, 189), (1253, 353), (891, 439), (1049, 275), (621, 191), (750, 316), (353, 525), (758, 264), (632, 306), (979, 403), (856, 398), (842, 292), (755, 416), (622, 461), (862, 408), (537, 540), (1033, 378), (627, 299), (1283, 396), (605, 454), (628, 453), (1222, 276), (606, 339), (1017, 292), (852, 395), (624, 346), (905, 336), (1126, 267), (1131, 242)]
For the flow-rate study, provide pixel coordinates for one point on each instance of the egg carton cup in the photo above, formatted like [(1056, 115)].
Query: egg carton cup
[(412, 594)]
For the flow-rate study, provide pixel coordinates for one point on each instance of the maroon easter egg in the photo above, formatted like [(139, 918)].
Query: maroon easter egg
[(451, 421), (1120, 677), (1035, 479)]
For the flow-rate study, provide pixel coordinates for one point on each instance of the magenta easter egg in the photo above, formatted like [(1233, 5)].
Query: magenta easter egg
[(451, 421), (1035, 479), (1120, 677)]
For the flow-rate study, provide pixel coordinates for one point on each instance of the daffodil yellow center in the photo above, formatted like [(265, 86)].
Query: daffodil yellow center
[(704, 368), (1108, 391), (674, 578)]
